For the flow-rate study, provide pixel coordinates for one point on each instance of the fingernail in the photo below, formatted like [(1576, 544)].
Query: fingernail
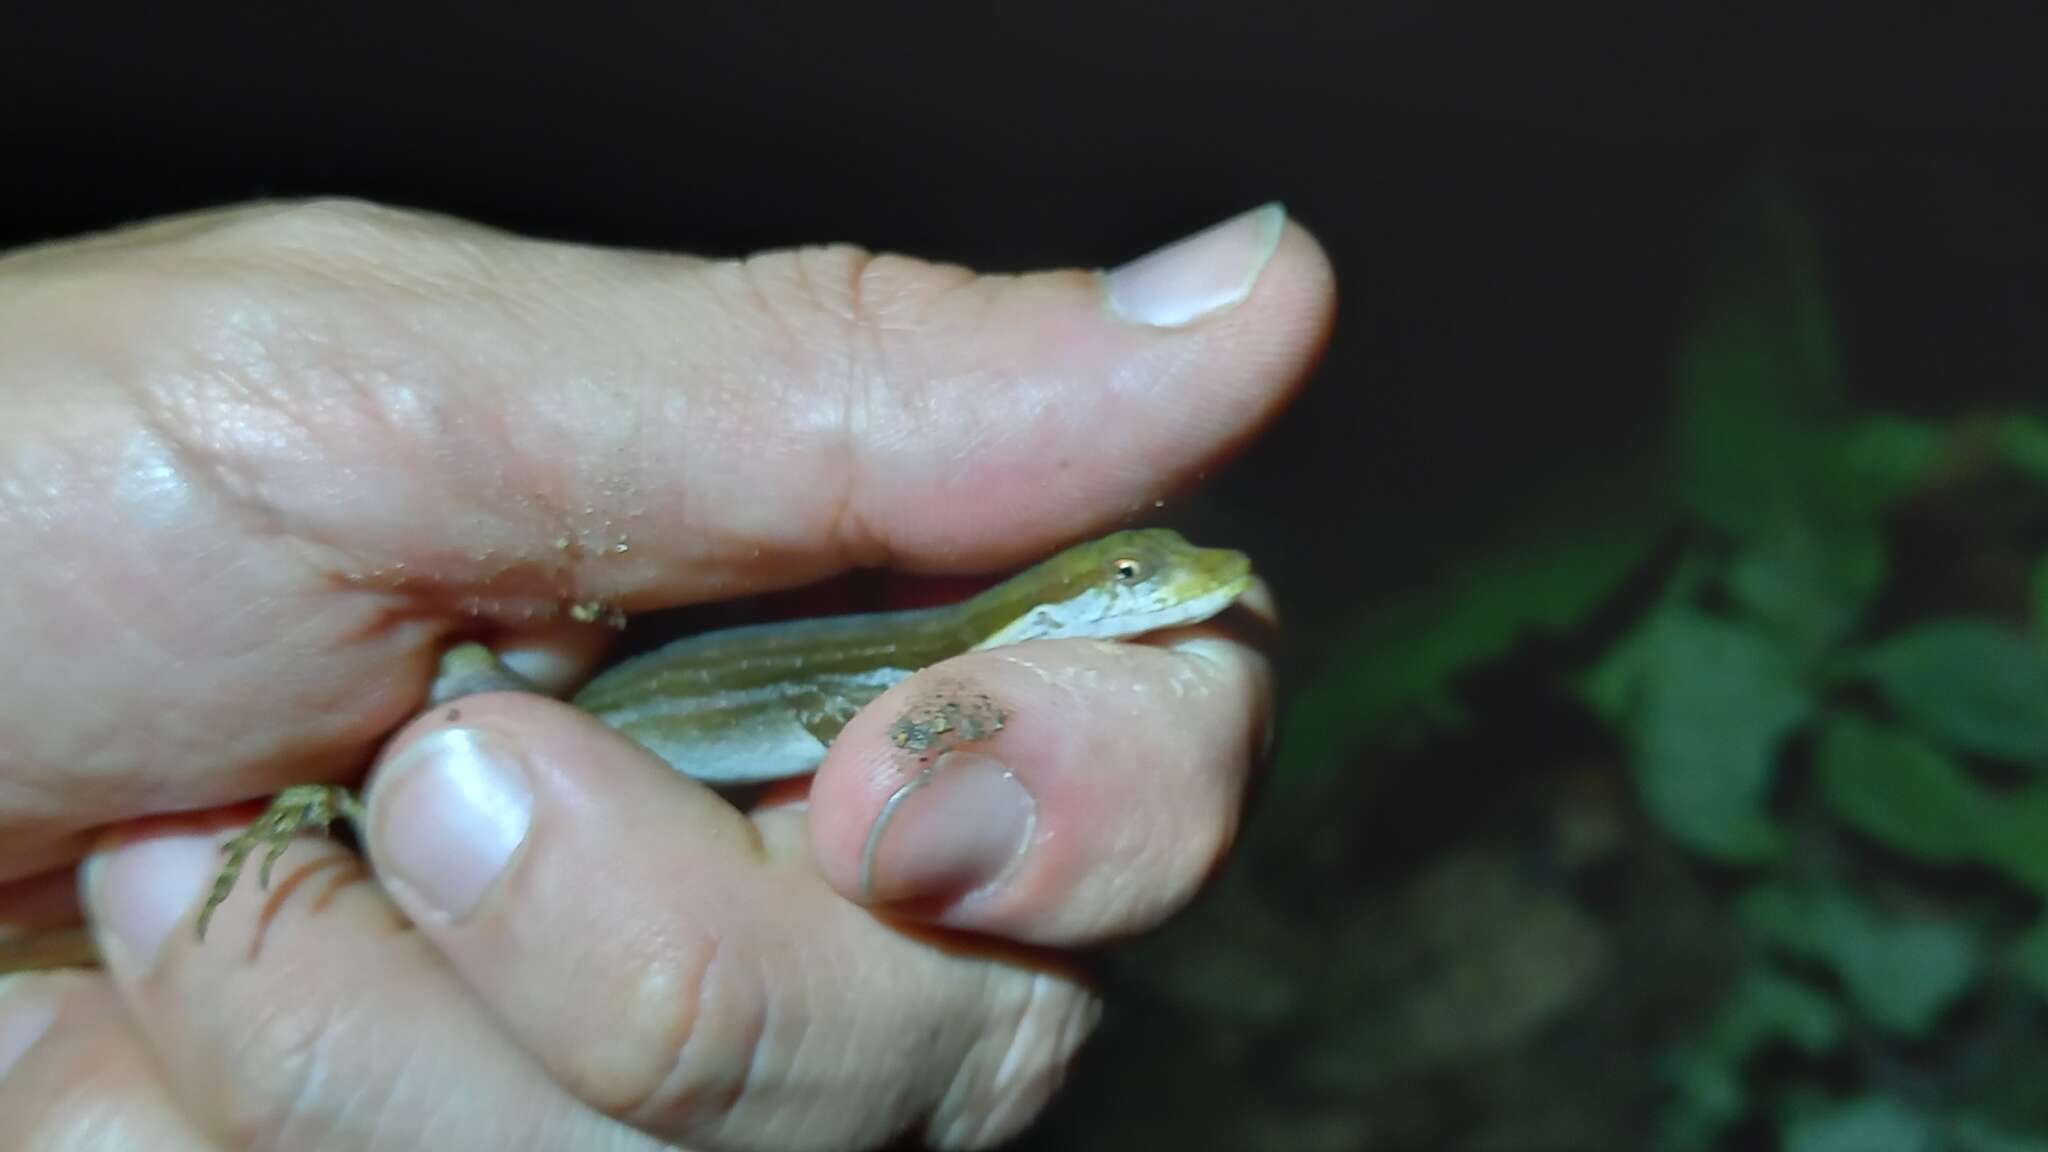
[(959, 828), (25, 1014), (1199, 275), (453, 810), (141, 890)]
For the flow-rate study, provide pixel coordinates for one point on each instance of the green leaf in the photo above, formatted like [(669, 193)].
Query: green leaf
[(1883, 459), (1902, 973), (1612, 686), (1810, 582), (1899, 790), (2015, 838), (1975, 1134), (1813, 570), (1770, 1006), (1780, 916), (1709, 707), (1973, 684), (1906, 976), (2023, 442), (1767, 1007), (2029, 957), (1775, 1006), (1400, 658), (1871, 1124), (1909, 795), (2041, 600)]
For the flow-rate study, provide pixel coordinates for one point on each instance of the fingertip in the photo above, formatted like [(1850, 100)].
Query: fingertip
[(140, 889), (1008, 413), (1304, 277), (1104, 796), (452, 809), (910, 805), (1199, 275), (956, 828), (555, 658)]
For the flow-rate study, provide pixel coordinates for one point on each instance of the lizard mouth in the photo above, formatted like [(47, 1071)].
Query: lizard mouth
[(1192, 610)]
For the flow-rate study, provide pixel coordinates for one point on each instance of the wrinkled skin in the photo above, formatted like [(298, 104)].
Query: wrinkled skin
[(258, 466)]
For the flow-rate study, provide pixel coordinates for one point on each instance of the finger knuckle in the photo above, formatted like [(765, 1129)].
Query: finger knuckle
[(838, 293), (676, 1045), (359, 246), (1038, 1025), (855, 319), (270, 1073), (326, 224)]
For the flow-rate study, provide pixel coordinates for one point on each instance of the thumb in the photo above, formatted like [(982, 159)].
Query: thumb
[(373, 426)]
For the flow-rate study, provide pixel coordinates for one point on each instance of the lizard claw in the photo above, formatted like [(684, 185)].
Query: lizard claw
[(292, 811)]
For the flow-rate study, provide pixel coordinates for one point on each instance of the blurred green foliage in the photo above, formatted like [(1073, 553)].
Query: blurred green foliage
[(2041, 599), (1900, 973), (1856, 769), (1978, 685), (1395, 684), (1768, 711), (1705, 704)]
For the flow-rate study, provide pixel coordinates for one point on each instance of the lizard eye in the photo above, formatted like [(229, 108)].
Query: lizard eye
[(1127, 569)]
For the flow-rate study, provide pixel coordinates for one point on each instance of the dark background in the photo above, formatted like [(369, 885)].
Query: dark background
[(1519, 199)]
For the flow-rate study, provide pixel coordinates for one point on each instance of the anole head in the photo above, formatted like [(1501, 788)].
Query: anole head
[(1123, 584)]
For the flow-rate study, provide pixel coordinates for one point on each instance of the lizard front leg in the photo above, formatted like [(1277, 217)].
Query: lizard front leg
[(293, 811), (465, 670)]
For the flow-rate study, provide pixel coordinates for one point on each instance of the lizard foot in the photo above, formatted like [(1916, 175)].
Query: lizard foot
[(291, 812)]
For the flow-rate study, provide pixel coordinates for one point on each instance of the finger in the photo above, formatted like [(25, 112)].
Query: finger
[(74, 1076), (722, 993), (754, 422), (309, 1017), (553, 658), (343, 432), (1055, 792)]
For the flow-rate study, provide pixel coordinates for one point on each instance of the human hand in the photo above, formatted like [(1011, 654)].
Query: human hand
[(258, 465)]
